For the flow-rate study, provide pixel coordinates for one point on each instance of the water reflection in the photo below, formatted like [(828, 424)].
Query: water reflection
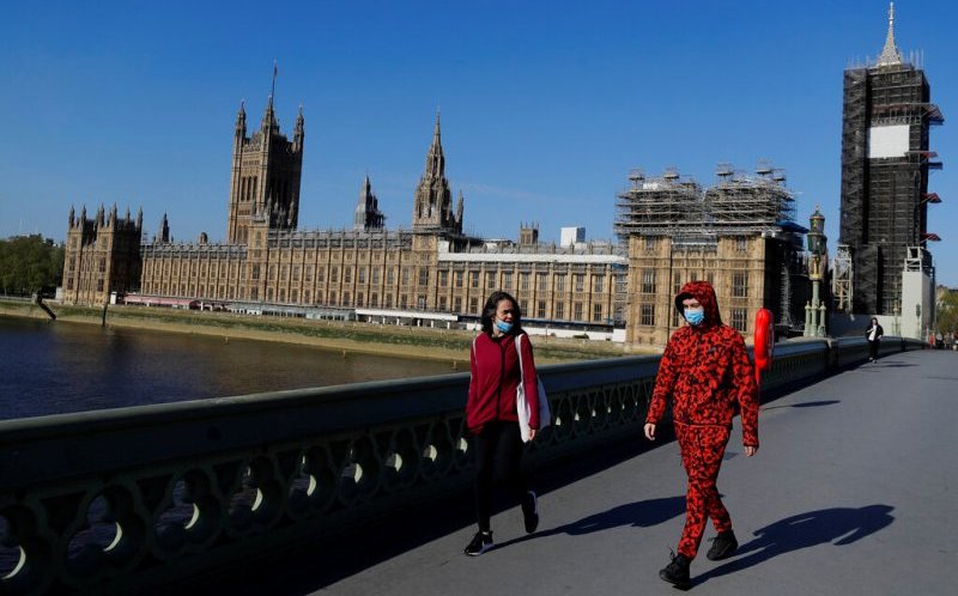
[(56, 367)]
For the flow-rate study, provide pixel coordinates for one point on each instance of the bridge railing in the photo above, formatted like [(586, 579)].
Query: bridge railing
[(115, 500)]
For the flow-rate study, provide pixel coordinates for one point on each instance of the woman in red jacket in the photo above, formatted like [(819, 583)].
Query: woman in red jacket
[(491, 415), (706, 371)]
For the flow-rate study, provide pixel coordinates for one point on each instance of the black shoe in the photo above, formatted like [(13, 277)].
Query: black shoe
[(530, 511), (723, 546), (481, 542), (677, 572)]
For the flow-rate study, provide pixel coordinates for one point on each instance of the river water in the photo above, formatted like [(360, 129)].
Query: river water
[(54, 367)]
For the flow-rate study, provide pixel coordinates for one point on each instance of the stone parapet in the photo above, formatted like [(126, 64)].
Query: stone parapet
[(120, 500)]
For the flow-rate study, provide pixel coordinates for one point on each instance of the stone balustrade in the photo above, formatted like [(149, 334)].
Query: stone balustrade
[(117, 500)]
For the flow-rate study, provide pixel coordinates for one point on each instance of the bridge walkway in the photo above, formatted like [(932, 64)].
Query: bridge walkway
[(854, 490)]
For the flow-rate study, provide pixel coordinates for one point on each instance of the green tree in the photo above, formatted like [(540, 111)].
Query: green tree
[(29, 264), (947, 315)]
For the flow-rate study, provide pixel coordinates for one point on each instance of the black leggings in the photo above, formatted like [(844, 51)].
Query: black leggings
[(498, 454), (872, 349)]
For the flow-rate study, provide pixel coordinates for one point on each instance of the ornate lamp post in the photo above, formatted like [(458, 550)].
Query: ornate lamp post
[(818, 256)]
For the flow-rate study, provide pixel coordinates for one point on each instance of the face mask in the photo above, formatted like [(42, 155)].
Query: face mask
[(694, 316), (503, 326)]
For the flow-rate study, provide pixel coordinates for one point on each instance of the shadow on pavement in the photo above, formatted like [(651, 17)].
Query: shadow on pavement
[(838, 526), (641, 514), (806, 404)]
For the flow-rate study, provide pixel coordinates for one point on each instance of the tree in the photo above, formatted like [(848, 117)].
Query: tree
[(947, 315), (29, 264)]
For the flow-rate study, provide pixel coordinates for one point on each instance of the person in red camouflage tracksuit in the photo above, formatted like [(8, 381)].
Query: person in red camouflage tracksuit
[(706, 371)]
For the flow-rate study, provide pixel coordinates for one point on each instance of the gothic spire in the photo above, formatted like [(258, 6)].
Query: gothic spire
[(241, 119), (890, 55), (435, 161)]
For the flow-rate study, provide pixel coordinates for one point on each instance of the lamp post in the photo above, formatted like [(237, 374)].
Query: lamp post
[(815, 310)]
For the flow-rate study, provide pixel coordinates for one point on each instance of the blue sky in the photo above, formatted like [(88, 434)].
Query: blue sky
[(546, 106)]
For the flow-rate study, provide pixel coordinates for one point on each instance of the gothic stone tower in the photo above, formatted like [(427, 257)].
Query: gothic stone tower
[(266, 175), (885, 164), (432, 209), (102, 256)]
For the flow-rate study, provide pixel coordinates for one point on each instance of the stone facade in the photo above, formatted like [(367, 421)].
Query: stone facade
[(433, 267), (102, 256)]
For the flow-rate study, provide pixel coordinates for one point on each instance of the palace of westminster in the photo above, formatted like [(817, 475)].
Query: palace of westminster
[(740, 234)]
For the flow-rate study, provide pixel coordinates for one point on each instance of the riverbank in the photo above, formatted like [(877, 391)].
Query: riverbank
[(418, 342)]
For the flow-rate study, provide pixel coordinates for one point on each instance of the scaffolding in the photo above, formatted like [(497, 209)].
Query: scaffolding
[(884, 194), (842, 279), (666, 205), (740, 203)]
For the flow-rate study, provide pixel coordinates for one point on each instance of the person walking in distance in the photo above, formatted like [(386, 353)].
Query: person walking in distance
[(706, 371), (873, 334), (491, 415)]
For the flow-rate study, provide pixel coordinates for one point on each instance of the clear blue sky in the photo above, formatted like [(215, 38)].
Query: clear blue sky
[(546, 106)]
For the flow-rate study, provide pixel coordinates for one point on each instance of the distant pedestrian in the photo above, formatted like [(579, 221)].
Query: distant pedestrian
[(873, 334), (491, 415), (706, 371)]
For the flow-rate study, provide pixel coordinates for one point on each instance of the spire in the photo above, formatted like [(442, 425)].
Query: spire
[(269, 117), (241, 119), (72, 216), (890, 54), (298, 131), (435, 161)]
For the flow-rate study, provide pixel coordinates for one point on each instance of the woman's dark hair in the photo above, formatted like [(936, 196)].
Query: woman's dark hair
[(488, 316)]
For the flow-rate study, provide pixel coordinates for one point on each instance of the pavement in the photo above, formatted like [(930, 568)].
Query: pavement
[(853, 491)]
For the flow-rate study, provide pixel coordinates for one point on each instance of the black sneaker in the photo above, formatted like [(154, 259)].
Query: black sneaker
[(677, 572), (530, 511), (481, 542), (723, 546)]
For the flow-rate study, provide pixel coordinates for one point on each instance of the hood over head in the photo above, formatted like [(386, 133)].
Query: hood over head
[(705, 294)]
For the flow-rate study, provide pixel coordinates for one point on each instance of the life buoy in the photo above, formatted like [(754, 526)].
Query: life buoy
[(764, 341)]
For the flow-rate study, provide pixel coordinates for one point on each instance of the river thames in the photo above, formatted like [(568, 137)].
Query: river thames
[(54, 367)]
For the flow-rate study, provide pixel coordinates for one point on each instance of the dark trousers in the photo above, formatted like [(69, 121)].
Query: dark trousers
[(498, 455), (873, 349)]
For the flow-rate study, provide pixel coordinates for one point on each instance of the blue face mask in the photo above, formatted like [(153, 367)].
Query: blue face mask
[(694, 316), (503, 326)]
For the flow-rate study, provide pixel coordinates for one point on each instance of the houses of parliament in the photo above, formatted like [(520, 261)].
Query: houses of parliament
[(434, 273)]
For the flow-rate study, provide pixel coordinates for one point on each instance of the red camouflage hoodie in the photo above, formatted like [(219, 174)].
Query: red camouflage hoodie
[(495, 378), (706, 370)]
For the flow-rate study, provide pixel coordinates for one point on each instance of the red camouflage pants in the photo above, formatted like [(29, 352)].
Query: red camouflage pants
[(703, 447)]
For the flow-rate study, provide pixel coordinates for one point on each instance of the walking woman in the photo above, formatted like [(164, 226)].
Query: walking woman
[(491, 416), (873, 334)]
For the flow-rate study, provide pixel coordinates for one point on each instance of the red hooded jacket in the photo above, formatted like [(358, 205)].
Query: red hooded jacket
[(495, 378), (706, 371)]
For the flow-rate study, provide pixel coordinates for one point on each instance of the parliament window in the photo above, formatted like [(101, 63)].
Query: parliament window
[(647, 316), (560, 310), (541, 311), (597, 313), (740, 319), (579, 282), (490, 280), (740, 285), (648, 281), (577, 311), (560, 283), (598, 282)]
